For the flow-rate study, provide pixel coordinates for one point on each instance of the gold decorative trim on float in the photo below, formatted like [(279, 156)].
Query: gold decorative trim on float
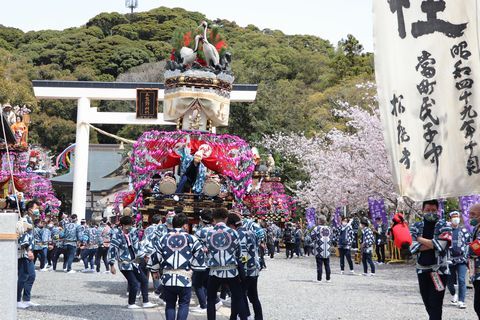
[(8, 236), (185, 81)]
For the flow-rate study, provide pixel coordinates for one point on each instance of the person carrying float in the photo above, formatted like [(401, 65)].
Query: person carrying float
[(177, 253)]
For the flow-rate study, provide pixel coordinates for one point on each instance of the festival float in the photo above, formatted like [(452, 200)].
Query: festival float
[(193, 167), (24, 169), (267, 199)]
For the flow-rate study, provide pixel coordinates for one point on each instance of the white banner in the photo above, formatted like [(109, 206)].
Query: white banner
[(427, 65)]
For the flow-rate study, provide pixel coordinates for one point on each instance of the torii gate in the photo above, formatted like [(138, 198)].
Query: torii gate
[(86, 91)]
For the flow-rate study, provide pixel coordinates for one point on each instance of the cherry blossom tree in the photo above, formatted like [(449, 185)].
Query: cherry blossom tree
[(345, 167)]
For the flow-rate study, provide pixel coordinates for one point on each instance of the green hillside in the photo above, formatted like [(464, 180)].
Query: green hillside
[(300, 77)]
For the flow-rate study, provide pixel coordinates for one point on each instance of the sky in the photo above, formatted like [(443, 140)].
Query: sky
[(328, 19)]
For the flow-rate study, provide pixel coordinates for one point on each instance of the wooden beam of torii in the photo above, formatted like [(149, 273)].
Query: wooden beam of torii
[(86, 91)]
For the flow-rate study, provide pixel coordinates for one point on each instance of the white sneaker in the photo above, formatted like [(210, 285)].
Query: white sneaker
[(352, 272), (44, 270), (133, 306), (85, 271), (318, 281), (461, 305), (106, 272), (31, 304), (65, 269), (218, 305), (328, 281), (199, 310), (72, 271), (371, 274), (341, 272), (454, 300), (22, 305), (365, 274), (92, 270), (148, 305)]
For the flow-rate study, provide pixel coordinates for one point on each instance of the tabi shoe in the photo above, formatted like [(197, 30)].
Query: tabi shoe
[(461, 305), (133, 306), (31, 304), (454, 300), (22, 305), (218, 305), (147, 305)]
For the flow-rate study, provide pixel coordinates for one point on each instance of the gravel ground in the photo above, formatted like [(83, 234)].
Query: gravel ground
[(287, 292)]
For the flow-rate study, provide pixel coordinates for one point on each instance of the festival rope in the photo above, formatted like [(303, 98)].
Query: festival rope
[(111, 135), (9, 162)]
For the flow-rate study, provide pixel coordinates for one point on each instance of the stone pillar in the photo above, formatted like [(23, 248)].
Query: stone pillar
[(8, 261), (80, 163)]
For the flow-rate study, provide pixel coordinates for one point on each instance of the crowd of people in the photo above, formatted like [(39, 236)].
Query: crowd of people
[(221, 257)]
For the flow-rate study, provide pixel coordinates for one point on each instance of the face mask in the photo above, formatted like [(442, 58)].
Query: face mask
[(473, 222), (456, 221), (36, 212), (50, 226), (169, 220), (430, 216)]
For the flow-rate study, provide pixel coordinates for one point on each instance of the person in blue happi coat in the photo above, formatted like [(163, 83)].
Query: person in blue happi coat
[(250, 241), (322, 237), (72, 235), (367, 240), (126, 249), (177, 253), (26, 267), (458, 260), (224, 260)]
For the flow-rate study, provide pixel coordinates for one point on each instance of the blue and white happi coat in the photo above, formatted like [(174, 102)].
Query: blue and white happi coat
[(119, 251), (322, 237), (459, 246), (345, 236), (440, 247), (177, 253), (72, 233), (57, 241), (38, 238), (201, 235), (92, 238), (149, 233), (367, 240), (25, 243), (250, 257), (104, 235), (224, 251)]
